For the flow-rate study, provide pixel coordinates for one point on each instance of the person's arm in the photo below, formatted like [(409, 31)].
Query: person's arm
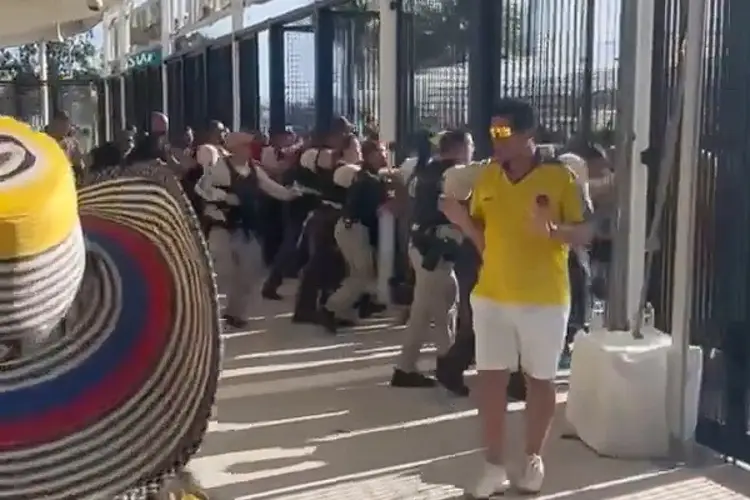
[(575, 227), (207, 157), (273, 188), (469, 220)]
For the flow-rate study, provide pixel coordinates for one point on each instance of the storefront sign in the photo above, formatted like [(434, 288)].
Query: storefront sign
[(151, 57)]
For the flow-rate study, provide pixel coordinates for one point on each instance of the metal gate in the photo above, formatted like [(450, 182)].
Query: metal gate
[(175, 96), (219, 99), (194, 90), (356, 40), (299, 88), (249, 83), (433, 66), (720, 288), (143, 95), (115, 97)]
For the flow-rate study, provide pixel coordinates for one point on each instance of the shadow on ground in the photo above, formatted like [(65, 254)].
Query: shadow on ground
[(304, 415)]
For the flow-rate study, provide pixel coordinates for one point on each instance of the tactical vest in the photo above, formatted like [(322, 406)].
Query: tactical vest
[(331, 192), (363, 198), (243, 216), (425, 188)]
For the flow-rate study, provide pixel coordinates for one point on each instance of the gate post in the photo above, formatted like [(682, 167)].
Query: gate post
[(405, 67), (276, 79), (684, 262), (389, 83), (249, 95), (484, 69), (632, 137), (166, 51), (324, 39), (238, 22), (587, 104)]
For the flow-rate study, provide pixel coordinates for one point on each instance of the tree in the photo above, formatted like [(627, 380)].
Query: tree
[(437, 34), (441, 31), (74, 58)]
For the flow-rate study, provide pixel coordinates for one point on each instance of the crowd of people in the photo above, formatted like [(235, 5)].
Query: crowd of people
[(497, 257)]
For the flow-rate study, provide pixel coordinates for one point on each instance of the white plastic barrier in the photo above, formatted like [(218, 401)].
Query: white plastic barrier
[(619, 395)]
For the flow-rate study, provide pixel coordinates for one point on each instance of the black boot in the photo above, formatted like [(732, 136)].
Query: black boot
[(270, 293), (451, 378), (235, 322), (367, 306), (411, 380)]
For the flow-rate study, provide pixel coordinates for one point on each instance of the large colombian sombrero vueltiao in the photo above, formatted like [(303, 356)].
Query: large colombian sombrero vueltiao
[(109, 326)]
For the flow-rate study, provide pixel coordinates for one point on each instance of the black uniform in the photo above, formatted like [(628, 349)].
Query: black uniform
[(325, 266)]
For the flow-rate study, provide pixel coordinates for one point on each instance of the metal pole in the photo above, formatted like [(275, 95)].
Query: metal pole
[(389, 12), (123, 32), (631, 176), (167, 23), (238, 7), (587, 104), (682, 282), (44, 78)]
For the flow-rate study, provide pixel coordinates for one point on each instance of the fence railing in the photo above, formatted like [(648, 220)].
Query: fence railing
[(81, 99)]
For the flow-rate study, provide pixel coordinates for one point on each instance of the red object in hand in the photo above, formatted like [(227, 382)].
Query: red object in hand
[(542, 201), (256, 150)]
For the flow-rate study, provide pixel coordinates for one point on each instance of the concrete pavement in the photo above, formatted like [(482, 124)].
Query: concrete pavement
[(303, 415)]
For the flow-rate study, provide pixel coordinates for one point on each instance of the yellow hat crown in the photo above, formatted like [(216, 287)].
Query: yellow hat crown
[(38, 202)]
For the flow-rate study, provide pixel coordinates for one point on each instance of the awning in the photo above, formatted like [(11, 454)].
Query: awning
[(27, 21)]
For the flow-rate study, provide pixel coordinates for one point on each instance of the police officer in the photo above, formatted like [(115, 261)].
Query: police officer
[(434, 247), (229, 189), (324, 268), (356, 232)]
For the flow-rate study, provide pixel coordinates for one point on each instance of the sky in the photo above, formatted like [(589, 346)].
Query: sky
[(301, 54)]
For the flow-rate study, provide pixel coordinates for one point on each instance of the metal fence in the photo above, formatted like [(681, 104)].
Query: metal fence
[(561, 55), (356, 43), (143, 94), (720, 302), (77, 98)]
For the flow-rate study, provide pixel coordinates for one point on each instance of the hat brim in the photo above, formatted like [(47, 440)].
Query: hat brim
[(126, 392)]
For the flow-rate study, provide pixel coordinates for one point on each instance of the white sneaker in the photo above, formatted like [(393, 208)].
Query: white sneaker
[(493, 481), (533, 476)]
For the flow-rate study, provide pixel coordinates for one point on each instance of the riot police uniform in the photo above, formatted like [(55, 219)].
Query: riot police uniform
[(356, 234), (229, 190), (231, 222), (434, 247), (324, 268)]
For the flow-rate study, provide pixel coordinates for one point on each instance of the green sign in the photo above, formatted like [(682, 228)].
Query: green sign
[(151, 57)]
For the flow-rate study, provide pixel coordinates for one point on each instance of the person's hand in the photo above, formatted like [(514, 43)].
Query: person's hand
[(295, 191), (455, 211), (232, 199), (541, 216)]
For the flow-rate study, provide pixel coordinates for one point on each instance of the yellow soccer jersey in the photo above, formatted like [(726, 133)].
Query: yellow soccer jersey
[(519, 265)]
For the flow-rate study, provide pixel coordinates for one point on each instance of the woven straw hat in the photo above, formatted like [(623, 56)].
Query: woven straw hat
[(108, 322)]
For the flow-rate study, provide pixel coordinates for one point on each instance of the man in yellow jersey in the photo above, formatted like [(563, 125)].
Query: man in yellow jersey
[(525, 214)]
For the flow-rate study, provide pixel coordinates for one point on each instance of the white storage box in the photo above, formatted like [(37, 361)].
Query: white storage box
[(619, 395)]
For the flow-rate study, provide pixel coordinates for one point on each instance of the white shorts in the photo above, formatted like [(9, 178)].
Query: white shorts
[(509, 336)]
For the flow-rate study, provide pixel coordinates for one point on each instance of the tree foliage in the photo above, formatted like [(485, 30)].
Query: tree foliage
[(441, 31), (74, 58)]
